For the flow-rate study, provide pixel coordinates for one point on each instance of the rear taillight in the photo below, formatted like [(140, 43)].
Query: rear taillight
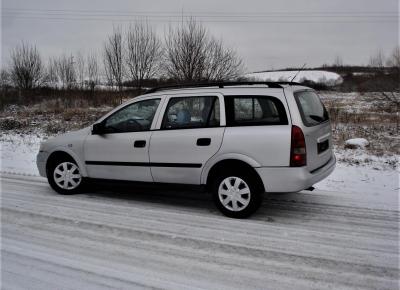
[(298, 153)]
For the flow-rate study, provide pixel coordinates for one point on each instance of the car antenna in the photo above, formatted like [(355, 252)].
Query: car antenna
[(304, 65)]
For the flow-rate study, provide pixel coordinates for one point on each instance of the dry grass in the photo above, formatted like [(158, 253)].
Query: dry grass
[(55, 111), (62, 99), (364, 116), (49, 119)]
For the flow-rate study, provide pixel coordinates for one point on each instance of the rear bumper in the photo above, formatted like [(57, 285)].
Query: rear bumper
[(293, 179)]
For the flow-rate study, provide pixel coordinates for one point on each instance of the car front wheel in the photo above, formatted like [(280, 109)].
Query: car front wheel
[(64, 177)]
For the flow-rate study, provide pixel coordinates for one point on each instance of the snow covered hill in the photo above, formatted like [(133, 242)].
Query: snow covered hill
[(317, 76)]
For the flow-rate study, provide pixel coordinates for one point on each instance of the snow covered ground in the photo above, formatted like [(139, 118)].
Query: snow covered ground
[(131, 238), (316, 76), (18, 153)]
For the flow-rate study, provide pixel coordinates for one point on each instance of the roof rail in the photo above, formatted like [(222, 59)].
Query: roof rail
[(220, 85)]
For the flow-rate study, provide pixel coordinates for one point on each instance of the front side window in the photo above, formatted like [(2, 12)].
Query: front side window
[(312, 110), (255, 110), (191, 112), (133, 118)]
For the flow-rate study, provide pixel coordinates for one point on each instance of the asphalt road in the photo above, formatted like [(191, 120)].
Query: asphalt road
[(130, 238)]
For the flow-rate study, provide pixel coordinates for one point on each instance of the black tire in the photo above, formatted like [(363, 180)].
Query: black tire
[(51, 167), (256, 194)]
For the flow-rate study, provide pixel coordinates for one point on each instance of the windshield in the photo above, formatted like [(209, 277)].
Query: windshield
[(312, 110)]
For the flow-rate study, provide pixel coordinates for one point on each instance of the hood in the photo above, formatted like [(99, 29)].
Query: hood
[(65, 139)]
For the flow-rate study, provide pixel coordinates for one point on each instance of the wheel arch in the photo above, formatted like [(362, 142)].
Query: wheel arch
[(222, 157), (228, 164), (62, 152)]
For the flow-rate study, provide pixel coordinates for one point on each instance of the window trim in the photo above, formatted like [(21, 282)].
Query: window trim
[(104, 120), (165, 110), (230, 111)]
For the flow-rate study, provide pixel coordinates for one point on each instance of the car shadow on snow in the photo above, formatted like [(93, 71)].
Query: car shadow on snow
[(183, 198)]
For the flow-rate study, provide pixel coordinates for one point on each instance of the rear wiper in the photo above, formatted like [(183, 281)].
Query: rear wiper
[(316, 118)]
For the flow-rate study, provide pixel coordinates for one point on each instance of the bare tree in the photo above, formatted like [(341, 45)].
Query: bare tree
[(51, 76), (220, 62), (66, 73), (113, 58), (108, 72), (338, 61), (80, 69), (377, 60), (26, 67), (92, 71), (5, 79), (193, 55), (394, 58), (185, 51), (143, 54)]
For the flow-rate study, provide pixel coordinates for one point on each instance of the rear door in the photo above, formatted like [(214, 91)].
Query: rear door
[(258, 127), (317, 128), (190, 134)]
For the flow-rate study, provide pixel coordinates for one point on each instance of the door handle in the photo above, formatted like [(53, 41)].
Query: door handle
[(139, 143), (203, 142)]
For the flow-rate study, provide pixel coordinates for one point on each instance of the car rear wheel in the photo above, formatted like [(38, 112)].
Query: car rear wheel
[(237, 195), (64, 176)]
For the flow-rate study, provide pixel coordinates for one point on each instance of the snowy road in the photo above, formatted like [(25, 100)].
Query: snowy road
[(125, 238)]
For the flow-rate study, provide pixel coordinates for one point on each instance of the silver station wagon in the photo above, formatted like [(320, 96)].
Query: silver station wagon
[(237, 140)]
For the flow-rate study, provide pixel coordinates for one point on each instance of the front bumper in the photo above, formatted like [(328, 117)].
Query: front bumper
[(293, 179), (41, 159)]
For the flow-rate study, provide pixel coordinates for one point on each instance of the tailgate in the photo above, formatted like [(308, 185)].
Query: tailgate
[(318, 145), (316, 128)]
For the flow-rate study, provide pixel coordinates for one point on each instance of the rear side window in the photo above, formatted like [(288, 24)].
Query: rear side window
[(191, 112), (255, 110), (312, 111)]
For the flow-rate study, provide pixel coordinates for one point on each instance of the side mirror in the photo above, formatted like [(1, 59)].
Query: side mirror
[(98, 129)]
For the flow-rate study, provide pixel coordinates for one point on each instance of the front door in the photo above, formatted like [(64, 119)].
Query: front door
[(122, 151), (189, 135)]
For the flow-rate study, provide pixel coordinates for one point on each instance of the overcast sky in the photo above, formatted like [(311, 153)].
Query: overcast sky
[(267, 34)]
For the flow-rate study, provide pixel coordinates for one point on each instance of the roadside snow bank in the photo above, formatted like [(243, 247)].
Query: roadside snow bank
[(316, 76), (18, 153), (363, 181)]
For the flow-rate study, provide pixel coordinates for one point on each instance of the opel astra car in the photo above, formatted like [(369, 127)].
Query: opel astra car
[(237, 140)]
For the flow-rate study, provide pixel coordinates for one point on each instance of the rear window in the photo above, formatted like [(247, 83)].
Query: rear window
[(312, 111), (255, 110)]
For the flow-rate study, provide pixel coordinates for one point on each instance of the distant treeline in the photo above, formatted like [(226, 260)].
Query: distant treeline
[(130, 56)]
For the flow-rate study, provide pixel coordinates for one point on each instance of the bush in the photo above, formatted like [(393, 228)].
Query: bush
[(10, 123)]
